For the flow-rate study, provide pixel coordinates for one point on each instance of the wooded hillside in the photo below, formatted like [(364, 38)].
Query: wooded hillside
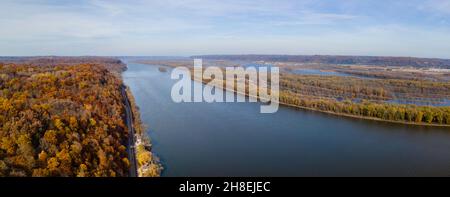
[(61, 121)]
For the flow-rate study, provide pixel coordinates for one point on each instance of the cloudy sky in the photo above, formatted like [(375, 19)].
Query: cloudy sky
[(173, 27)]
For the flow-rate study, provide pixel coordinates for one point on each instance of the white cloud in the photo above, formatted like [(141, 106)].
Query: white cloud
[(173, 27)]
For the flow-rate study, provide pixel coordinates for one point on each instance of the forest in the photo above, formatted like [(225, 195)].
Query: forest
[(367, 97), (110, 63), (62, 120)]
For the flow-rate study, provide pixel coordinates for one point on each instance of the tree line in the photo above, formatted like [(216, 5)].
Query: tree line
[(383, 111)]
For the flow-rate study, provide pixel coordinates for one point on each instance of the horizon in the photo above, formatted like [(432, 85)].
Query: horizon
[(191, 56), (196, 27)]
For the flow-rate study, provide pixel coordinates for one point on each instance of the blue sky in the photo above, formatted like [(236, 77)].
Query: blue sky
[(192, 27)]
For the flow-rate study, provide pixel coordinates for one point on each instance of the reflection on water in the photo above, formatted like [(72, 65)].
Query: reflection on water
[(234, 139)]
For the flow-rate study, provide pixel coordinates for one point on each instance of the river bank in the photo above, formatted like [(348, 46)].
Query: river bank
[(148, 164), (144, 163)]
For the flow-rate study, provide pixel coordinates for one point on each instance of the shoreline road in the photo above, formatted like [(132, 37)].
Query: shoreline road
[(131, 140)]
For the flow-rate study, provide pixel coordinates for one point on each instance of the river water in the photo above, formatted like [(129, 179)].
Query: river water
[(234, 139)]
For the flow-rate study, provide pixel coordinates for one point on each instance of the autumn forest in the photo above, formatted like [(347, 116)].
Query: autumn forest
[(61, 119)]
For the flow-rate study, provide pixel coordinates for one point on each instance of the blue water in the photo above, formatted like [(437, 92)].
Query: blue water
[(234, 139)]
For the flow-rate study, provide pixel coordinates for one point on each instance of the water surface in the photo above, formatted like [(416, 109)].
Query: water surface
[(234, 139)]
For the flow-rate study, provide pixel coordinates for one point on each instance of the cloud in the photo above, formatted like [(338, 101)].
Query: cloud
[(309, 18), (173, 27)]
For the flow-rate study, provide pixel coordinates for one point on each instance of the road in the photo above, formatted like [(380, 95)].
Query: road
[(131, 142)]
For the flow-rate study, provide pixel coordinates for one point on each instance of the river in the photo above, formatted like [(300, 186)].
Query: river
[(234, 139)]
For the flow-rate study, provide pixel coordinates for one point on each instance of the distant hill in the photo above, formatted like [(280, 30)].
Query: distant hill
[(110, 63), (332, 59)]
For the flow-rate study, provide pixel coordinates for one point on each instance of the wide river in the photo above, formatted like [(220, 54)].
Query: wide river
[(234, 139)]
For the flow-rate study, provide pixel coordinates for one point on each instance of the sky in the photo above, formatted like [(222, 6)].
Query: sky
[(419, 28)]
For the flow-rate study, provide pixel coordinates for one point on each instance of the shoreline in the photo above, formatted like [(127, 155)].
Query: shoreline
[(146, 162)]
